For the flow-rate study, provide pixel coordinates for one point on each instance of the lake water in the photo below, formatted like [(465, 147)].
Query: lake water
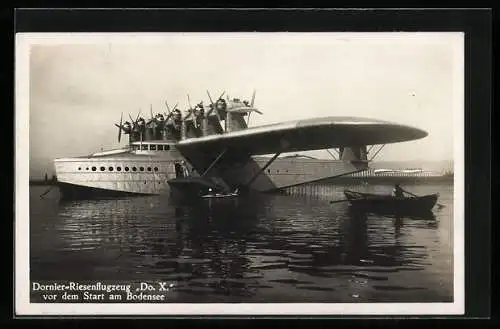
[(264, 248)]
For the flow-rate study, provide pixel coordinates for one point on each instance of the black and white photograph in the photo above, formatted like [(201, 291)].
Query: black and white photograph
[(240, 173)]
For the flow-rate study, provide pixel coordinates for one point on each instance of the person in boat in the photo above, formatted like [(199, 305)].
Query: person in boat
[(398, 192)]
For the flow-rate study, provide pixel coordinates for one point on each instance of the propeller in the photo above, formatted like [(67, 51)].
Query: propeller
[(199, 111), (120, 128), (134, 122), (125, 126), (170, 112), (190, 111), (153, 118), (251, 105), (214, 106)]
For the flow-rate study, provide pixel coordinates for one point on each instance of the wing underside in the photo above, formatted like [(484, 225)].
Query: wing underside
[(305, 135), (302, 135)]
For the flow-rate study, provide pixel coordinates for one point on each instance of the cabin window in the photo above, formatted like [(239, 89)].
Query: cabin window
[(152, 147), (134, 169), (110, 168), (156, 168), (160, 147), (118, 168), (144, 147), (94, 168), (126, 168), (141, 168), (166, 147), (102, 168)]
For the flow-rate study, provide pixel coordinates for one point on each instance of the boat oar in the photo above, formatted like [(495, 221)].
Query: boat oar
[(337, 201), (42, 195), (438, 204)]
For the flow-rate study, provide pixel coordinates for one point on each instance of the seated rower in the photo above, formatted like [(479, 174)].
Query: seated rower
[(398, 192)]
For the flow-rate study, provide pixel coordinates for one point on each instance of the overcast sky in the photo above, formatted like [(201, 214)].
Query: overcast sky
[(79, 85)]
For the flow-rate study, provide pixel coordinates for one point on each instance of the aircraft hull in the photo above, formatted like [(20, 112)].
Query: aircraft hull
[(112, 175)]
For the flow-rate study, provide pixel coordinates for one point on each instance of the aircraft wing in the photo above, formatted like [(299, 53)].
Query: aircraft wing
[(296, 136), (305, 135)]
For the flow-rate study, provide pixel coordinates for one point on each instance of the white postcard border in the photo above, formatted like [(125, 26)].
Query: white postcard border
[(21, 227)]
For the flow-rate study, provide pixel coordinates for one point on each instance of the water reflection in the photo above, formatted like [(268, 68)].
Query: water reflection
[(260, 248)]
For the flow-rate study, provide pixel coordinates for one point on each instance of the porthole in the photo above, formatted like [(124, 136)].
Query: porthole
[(268, 171), (141, 168), (156, 169), (149, 168), (94, 168), (79, 168), (126, 168), (110, 168), (87, 168), (144, 182), (134, 169), (102, 168), (118, 168)]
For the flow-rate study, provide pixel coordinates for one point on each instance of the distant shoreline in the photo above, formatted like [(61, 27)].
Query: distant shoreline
[(390, 179)]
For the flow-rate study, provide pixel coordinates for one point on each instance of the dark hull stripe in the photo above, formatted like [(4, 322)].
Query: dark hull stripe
[(72, 191)]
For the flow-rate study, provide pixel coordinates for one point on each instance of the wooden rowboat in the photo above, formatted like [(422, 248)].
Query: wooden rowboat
[(219, 195), (390, 204)]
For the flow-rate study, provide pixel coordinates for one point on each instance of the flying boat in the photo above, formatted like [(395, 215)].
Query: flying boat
[(211, 146)]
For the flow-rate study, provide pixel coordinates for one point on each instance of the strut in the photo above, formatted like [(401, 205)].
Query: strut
[(380, 149), (263, 168), (214, 162)]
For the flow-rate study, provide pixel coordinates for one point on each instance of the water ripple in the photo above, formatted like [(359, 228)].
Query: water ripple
[(269, 248)]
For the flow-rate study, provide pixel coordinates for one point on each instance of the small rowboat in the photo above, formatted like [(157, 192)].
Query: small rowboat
[(390, 204), (219, 195)]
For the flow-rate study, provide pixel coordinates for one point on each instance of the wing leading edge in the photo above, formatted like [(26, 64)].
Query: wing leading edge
[(304, 135)]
